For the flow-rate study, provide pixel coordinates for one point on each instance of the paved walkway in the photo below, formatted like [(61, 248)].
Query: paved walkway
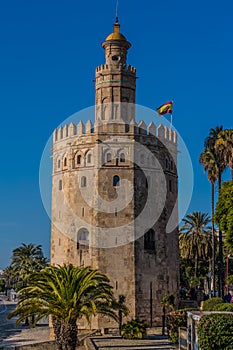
[(154, 342), (10, 335)]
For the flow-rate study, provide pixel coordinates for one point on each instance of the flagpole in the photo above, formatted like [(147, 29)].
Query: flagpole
[(171, 115)]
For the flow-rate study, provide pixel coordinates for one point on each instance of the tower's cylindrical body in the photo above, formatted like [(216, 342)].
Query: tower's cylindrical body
[(114, 193)]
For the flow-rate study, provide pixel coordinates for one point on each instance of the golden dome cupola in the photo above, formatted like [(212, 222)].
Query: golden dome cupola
[(116, 35), (116, 47)]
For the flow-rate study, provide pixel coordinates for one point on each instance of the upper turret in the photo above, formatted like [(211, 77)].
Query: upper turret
[(115, 83), (116, 47)]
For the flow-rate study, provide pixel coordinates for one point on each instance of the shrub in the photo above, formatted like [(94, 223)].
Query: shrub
[(224, 307), (210, 304), (133, 329), (215, 332), (176, 319)]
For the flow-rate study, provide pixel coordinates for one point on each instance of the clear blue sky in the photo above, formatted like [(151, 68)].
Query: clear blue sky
[(49, 50)]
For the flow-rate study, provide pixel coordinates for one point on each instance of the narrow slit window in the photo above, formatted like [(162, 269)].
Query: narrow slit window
[(60, 185), (83, 181)]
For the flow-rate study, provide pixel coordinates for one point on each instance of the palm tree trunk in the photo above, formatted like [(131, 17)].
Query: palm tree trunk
[(70, 335), (220, 266), (196, 265), (57, 333), (213, 239)]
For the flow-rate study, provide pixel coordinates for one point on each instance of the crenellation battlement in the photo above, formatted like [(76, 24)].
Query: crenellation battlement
[(131, 69), (162, 132), (106, 67), (102, 67)]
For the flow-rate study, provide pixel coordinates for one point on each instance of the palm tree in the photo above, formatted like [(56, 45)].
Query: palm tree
[(9, 277), (209, 161), (224, 144), (212, 137), (66, 293), (217, 164), (195, 238), (26, 260)]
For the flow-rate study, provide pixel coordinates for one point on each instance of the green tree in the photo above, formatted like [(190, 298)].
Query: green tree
[(224, 144), (66, 293), (195, 238), (27, 259), (224, 212)]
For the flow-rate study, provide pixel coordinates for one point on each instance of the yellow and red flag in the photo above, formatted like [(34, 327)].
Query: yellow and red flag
[(165, 108)]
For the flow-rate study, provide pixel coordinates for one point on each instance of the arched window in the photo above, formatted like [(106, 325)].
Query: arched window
[(60, 185), (79, 159), (116, 181), (89, 158), (65, 161), (83, 181), (149, 240), (122, 158), (167, 163), (109, 157), (59, 164), (83, 239)]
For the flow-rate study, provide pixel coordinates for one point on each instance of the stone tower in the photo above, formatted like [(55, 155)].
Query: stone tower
[(114, 193)]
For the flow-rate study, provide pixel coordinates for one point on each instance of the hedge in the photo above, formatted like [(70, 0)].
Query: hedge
[(215, 331), (210, 304)]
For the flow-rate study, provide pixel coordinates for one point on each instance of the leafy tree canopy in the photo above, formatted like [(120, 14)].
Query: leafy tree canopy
[(224, 212)]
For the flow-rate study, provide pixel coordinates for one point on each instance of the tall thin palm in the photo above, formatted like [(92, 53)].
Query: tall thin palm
[(195, 238), (9, 277), (224, 144), (208, 160), (66, 293), (220, 164)]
